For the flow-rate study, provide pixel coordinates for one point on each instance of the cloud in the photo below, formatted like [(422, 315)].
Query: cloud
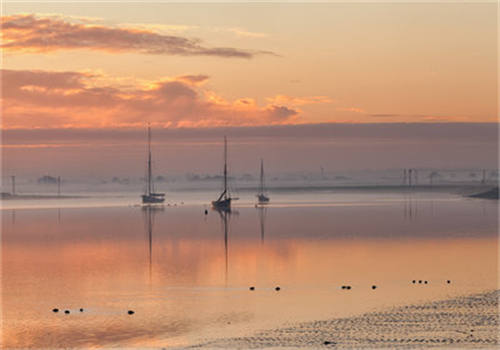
[(421, 117), (46, 99), (240, 32), (246, 33), (30, 33), (414, 132), (386, 115), (351, 109), (280, 113), (160, 28), (54, 80), (299, 101), (193, 79)]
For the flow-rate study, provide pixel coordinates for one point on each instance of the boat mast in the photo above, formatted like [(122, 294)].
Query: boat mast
[(13, 179), (261, 176), (149, 161), (225, 167)]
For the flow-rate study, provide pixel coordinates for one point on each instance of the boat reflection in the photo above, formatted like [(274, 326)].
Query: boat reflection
[(225, 215), (262, 220), (410, 206), (149, 212)]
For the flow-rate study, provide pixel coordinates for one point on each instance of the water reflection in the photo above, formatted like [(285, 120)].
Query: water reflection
[(262, 210), (102, 259), (149, 212), (410, 208), (225, 215)]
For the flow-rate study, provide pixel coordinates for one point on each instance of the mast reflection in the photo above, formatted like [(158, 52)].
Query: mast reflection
[(149, 212), (225, 215), (262, 220)]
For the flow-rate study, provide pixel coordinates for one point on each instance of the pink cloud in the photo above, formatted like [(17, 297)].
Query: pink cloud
[(193, 79), (44, 99), (299, 101), (352, 110), (29, 33)]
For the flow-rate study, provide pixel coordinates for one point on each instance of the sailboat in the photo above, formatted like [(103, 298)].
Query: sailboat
[(261, 195), (151, 196), (224, 200)]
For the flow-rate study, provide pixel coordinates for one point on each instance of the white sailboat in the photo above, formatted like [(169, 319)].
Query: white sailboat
[(261, 196), (150, 196), (224, 200)]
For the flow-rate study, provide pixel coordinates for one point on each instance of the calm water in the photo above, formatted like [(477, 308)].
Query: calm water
[(187, 275)]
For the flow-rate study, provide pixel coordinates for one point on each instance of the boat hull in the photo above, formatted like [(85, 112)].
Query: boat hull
[(148, 199), (224, 204), (262, 198)]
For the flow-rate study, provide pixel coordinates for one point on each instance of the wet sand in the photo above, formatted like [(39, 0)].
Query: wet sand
[(463, 322)]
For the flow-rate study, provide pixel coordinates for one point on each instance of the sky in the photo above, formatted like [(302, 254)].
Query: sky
[(115, 66)]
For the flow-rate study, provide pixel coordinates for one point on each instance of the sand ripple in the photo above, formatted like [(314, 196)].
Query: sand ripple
[(470, 322)]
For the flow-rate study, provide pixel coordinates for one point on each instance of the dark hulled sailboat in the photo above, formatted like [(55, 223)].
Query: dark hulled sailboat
[(224, 200), (150, 196)]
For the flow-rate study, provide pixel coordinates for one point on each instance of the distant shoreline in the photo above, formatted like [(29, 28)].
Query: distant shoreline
[(8, 196), (466, 190), (456, 188), (469, 190), (468, 321)]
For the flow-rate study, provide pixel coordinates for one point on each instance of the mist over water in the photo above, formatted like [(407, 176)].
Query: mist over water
[(245, 183)]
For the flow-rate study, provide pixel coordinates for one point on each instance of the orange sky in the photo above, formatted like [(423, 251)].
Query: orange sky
[(115, 65)]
